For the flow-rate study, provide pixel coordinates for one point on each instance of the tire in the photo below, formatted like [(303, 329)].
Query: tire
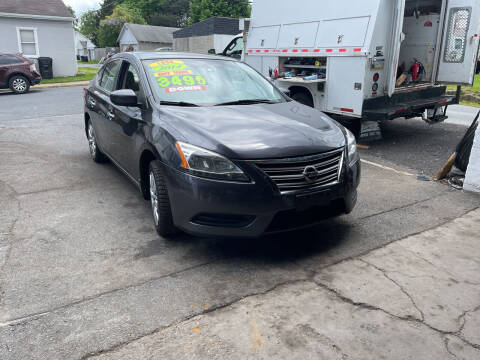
[(464, 148), (19, 84), (95, 152), (161, 209), (303, 98)]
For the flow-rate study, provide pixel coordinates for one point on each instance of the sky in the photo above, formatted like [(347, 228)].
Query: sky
[(80, 6)]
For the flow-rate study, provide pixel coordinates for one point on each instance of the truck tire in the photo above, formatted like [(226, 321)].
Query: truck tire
[(19, 84), (303, 98)]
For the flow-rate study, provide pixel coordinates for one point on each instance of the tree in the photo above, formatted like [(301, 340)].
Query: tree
[(111, 26), (146, 8), (173, 13), (88, 25), (204, 9)]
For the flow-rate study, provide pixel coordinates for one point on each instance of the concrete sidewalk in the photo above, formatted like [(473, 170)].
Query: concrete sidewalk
[(417, 298)]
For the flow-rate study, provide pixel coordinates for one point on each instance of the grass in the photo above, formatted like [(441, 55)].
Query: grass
[(468, 91), (88, 62), (470, 103), (475, 88), (84, 74)]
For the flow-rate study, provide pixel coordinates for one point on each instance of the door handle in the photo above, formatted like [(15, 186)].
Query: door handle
[(110, 115)]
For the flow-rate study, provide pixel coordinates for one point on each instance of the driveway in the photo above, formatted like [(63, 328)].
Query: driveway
[(83, 271)]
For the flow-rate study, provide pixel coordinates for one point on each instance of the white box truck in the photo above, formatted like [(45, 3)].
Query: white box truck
[(373, 60)]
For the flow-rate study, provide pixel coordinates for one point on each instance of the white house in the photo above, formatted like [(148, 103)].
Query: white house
[(145, 37), (39, 28), (83, 46)]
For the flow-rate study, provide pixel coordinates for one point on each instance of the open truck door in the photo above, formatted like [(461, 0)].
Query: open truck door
[(458, 57), (398, 37)]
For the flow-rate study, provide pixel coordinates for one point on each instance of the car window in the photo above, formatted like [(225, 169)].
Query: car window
[(208, 81), (131, 80), (235, 49), (9, 59), (109, 75)]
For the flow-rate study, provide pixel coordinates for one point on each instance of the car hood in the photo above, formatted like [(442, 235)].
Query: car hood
[(257, 131)]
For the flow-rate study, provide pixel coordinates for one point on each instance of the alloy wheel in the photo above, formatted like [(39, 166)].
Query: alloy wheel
[(154, 198), (19, 85), (92, 144)]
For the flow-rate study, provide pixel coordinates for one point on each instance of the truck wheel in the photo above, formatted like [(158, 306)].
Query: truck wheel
[(19, 84), (162, 212), (303, 98)]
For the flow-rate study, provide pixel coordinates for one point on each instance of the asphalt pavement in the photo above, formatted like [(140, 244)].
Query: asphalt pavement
[(83, 272)]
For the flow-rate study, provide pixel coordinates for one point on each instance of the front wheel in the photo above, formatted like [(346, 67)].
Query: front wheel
[(19, 84), (162, 212)]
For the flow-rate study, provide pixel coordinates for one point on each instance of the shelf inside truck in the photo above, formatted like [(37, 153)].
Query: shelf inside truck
[(304, 66), (300, 80)]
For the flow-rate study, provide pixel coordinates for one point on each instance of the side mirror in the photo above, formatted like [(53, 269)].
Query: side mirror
[(124, 97)]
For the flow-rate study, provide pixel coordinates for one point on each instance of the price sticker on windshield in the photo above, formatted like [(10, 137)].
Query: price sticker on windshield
[(175, 76), (168, 65)]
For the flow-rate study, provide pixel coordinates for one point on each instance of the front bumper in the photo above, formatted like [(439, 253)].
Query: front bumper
[(35, 78), (205, 207)]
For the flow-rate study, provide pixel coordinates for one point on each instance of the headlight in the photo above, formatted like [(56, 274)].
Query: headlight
[(353, 155), (208, 164)]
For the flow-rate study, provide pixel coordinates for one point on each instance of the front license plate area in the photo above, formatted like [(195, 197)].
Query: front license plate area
[(306, 201)]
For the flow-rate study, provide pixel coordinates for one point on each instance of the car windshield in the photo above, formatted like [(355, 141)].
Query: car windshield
[(206, 82)]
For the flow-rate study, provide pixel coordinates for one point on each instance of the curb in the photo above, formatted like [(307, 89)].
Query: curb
[(57, 85)]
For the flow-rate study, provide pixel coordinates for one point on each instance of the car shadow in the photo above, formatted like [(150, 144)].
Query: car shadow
[(7, 92), (269, 249)]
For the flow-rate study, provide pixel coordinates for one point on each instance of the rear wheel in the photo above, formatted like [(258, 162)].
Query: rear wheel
[(19, 84), (95, 152), (162, 212)]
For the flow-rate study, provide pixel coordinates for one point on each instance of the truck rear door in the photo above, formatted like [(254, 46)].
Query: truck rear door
[(458, 57), (397, 39)]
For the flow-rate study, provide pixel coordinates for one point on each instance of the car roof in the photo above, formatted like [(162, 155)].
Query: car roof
[(169, 55)]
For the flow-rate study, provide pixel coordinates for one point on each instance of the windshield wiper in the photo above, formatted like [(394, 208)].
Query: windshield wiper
[(177, 103), (248, 102)]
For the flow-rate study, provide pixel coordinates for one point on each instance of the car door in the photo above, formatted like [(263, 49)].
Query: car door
[(103, 107), (6, 64), (128, 122), (3, 71), (458, 57)]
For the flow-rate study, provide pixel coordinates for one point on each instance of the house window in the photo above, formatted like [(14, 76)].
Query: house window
[(27, 41)]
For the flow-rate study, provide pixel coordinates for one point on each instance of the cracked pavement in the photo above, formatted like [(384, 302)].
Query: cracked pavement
[(84, 274), (362, 308)]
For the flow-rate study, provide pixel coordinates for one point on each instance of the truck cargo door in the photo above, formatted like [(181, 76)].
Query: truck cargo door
[(263, 37), (458, 57), (397, 39)]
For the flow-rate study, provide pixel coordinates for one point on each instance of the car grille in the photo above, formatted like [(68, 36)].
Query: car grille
[(304, 172)]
